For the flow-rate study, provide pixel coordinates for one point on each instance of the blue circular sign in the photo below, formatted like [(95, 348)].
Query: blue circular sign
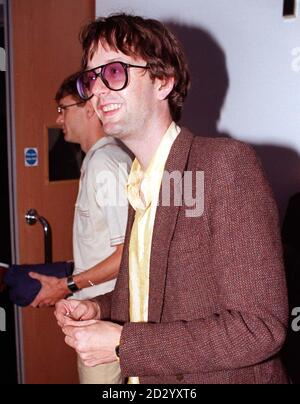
[(31, 157)]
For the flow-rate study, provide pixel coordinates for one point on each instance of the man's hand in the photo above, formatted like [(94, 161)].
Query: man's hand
[(70, 312), (53, 289), (94, 341)]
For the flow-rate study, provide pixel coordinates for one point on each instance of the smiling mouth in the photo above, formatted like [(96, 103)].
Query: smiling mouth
[(111, 107)]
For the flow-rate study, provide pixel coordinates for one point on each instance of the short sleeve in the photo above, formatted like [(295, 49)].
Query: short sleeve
[(110, 187)]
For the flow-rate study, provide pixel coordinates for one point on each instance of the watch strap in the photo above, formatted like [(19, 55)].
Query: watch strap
[(71, 284)]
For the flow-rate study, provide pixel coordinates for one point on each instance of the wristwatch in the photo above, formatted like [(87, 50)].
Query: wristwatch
[(117, 351), (71, 284)]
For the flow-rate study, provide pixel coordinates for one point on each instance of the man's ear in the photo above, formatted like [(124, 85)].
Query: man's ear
[(164, 87)]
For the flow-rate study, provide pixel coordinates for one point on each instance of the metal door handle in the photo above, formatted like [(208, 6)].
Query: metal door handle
[(32, 217)]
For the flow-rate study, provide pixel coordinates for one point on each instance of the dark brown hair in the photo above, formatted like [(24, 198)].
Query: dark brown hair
[(145, 38), (68, 87)]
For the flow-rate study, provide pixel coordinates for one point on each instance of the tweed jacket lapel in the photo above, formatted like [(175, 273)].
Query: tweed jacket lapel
[(164, 226)]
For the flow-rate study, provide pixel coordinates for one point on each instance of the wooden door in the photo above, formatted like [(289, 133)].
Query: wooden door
[(44, 49)]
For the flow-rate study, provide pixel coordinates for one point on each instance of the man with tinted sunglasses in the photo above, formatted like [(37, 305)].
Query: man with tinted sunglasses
[(200, 297), (99, 220)]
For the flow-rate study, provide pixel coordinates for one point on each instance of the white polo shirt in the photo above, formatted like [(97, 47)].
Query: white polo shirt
[(101, 210)]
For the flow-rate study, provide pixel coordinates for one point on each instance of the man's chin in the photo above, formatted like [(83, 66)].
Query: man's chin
[(112, 129)]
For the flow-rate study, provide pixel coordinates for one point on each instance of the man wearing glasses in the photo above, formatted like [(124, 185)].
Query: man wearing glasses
[(100, 215), (201, 296)]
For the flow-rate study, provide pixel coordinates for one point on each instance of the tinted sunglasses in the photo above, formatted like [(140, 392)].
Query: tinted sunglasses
[(114, 76)]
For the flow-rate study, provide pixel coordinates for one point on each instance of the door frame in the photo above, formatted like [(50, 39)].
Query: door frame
[(24, 317), (12, 175)]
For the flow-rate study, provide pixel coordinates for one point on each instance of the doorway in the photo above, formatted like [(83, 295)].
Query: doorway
[(40, 32), (8, 367)]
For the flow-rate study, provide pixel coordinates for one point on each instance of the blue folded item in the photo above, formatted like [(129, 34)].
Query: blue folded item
[(23, 289)]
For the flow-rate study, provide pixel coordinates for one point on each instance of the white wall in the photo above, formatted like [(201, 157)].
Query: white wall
[(249, 52)]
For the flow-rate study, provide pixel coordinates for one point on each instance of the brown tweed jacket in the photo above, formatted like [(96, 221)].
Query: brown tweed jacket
[(218, 303)]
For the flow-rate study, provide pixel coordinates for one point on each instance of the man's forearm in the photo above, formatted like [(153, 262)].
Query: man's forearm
[(102, 272)]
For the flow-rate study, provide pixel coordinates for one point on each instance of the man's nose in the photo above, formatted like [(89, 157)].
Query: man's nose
[(100, 88), (60, 119)]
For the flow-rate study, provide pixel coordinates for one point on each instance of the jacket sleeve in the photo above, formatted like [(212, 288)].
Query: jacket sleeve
[(250, 325)]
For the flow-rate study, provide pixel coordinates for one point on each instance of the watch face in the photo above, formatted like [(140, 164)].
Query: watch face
[(71, 284)]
